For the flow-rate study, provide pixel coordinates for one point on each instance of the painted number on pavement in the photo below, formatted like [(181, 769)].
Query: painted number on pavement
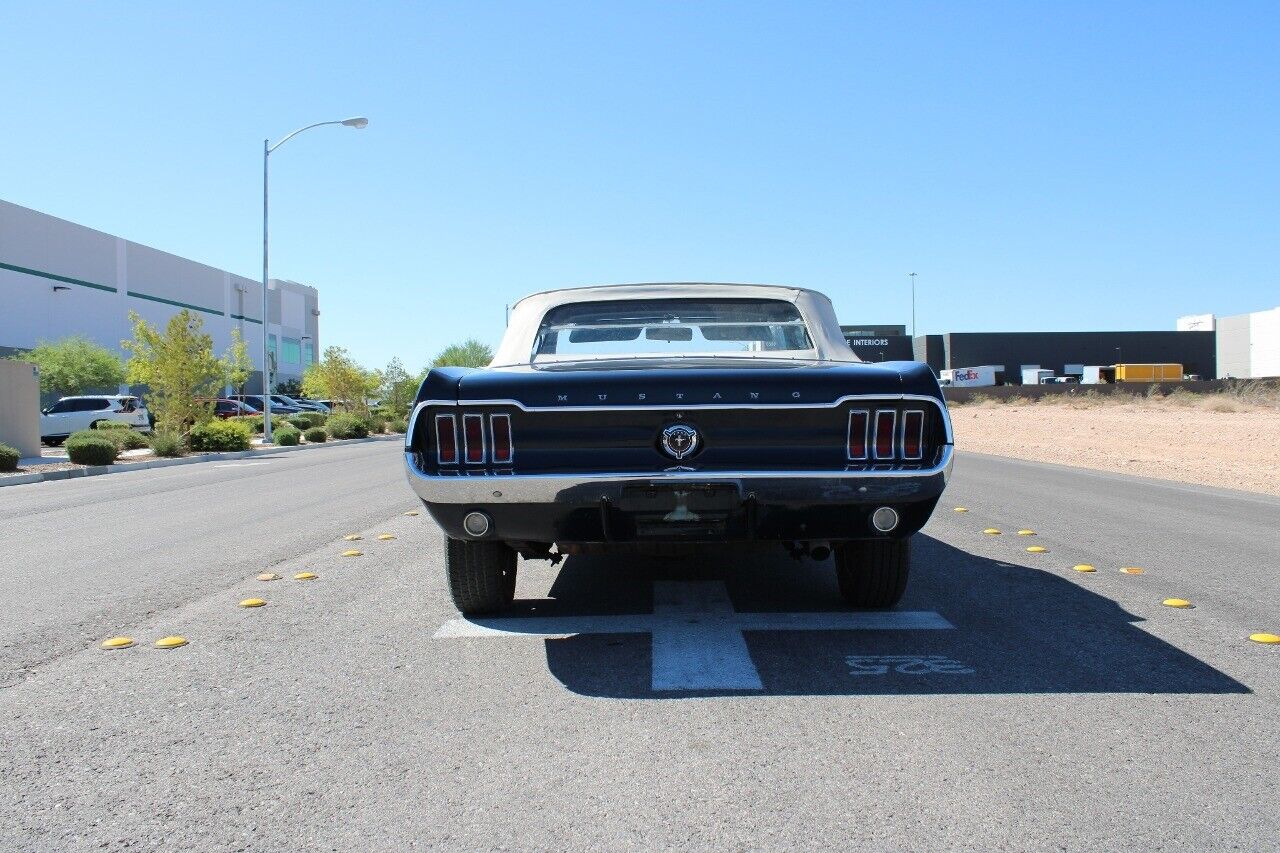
[(906, 665)]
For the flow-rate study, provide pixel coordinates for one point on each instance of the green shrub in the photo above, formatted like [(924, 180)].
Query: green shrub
[(131, 439), (89, 447), (8, 458), (287, 436), (124, 436), (167, 444), (398, 425), (220, 436), (255, 421), (307, 420), (376, 424), (316, 435), (347, 426)]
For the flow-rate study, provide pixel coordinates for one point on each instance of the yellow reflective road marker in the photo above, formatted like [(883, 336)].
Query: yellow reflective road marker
[(1037, 549), (1270, 639), (353, 553), (353, 537), (1026, 533), (385, 536), (118, 643), (1177, 602), (1084, 567), (412, 512), (171, 642), (252, 602), (268, 576), (1132, 570), (991, 531), (961, 509), (305, 576)]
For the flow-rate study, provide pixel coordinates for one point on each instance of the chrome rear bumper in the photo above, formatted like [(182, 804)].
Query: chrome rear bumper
[(835, 487)]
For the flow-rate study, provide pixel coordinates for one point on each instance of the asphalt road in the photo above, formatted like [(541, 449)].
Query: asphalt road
[(1060, 710)]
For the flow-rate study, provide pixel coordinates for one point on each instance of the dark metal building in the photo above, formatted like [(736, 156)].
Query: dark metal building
[(1195, 351), (879, 343)]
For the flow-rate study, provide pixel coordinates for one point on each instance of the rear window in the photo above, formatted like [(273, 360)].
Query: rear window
[(673, 327)]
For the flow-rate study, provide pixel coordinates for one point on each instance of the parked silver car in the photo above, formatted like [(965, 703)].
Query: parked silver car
[(76, 413)]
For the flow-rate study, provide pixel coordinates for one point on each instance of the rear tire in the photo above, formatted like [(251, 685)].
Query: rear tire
[(873, 574), (482, 575)]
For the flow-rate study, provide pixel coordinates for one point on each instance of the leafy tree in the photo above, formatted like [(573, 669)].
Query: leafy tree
[(179, 368), (291, 387), (398, 388), (74, 365), (338, 377), (469, 353), (239, 366)]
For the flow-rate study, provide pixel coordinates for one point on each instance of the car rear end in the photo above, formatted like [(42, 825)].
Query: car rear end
[(794, 460)]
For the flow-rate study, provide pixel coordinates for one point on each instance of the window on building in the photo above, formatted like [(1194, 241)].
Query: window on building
[(308, 352), (291, 350), (271, 346)]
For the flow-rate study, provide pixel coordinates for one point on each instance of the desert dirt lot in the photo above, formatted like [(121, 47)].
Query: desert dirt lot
[(1211, 439)]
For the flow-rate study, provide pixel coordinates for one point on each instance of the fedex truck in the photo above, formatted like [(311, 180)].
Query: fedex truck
[(972, 377)]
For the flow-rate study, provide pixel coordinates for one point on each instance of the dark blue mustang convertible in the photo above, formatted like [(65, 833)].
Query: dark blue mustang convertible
[(663, 415)]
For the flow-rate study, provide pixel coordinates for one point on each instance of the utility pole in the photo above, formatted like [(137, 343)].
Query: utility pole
[(913, 303)]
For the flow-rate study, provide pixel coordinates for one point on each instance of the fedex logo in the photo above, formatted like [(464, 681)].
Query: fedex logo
[(964, 375)]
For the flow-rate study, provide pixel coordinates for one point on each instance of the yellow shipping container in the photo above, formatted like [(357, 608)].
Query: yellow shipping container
[(1148, 372)]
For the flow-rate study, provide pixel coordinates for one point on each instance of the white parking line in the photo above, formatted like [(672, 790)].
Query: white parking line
[(696, 634)]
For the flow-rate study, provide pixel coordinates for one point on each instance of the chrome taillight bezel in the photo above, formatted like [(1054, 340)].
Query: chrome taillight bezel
[(501, 423), (850, 449), (480, 444), (912, 429), (890, 431), (453, 438)]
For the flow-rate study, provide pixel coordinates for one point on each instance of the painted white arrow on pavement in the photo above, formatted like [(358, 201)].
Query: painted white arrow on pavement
[(696, 633)]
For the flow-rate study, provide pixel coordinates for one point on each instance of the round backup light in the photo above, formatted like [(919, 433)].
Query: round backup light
[(476, 524), (884, 519)]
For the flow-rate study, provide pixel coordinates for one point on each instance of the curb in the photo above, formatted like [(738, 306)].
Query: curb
[(95, 470)]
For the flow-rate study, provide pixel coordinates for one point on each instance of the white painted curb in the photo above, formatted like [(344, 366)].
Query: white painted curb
[(95, 470)]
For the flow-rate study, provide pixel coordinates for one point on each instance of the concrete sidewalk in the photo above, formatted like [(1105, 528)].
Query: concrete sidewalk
[(95, 470)]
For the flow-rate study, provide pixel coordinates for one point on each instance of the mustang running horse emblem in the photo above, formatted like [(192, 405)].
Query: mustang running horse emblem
[(679, 441)]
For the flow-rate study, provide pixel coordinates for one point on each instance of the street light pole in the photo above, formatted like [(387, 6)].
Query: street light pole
[(358, 123), (913, 303)]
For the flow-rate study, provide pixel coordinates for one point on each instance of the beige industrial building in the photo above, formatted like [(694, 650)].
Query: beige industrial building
[(58, 279), (1248, 344)]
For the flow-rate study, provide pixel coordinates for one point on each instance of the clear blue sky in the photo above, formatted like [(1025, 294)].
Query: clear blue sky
[(1040, 165)]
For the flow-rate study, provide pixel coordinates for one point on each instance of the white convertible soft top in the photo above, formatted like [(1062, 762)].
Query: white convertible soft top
[(815, 309)]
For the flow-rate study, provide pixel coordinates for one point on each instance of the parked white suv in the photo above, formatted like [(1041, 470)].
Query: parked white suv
[(75, 413)]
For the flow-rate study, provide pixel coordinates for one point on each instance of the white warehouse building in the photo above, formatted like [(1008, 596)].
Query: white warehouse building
[(59, 279), (1248, 345)]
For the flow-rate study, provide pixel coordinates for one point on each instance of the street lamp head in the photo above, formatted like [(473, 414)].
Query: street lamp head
[(358, 123)]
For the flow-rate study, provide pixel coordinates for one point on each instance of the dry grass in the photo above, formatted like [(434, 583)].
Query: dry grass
[(1246, 395), (1229, 438)]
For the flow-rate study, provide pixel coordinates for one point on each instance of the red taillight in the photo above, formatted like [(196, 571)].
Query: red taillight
[(912, 434), (500, 429), (446, 440), (473, 438), (886, 421), (859, 422)]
